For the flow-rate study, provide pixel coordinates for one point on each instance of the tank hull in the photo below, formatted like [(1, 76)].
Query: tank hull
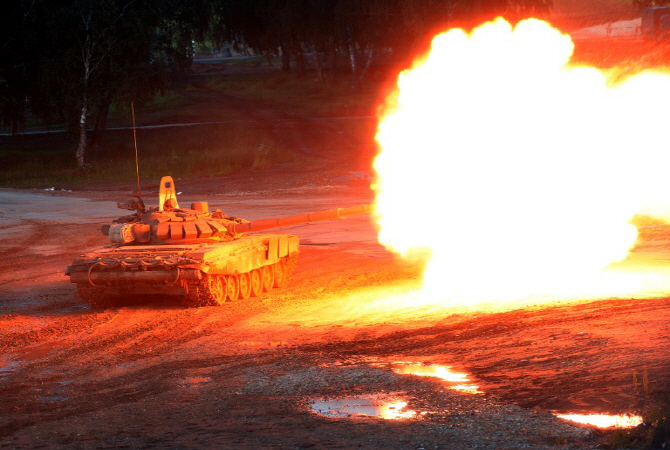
[(203, 273)]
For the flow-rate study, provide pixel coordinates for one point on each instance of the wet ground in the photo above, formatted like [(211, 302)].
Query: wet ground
[(315, 365)]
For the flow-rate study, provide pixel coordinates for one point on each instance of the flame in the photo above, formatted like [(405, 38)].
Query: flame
[(603, 420), (513, 173)]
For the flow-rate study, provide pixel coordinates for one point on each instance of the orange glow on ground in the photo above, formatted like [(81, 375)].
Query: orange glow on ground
[(603, 420), (514, 174)]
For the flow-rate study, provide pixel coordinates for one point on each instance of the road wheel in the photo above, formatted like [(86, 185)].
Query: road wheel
[(256, 283), (280, 273), (233, 285), (217, 289), (267, 278), (245, 285)]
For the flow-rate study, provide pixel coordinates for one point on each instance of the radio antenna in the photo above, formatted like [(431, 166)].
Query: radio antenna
[(137, 164)]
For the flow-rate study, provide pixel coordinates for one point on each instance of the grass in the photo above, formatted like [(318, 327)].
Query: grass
[(653, 434), (246, 141), (200, 150), (309, 95)]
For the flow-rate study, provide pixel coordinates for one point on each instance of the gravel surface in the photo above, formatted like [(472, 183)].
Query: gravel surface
[(154, 374)]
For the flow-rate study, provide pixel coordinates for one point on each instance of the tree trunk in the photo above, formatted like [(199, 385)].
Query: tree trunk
[(332, 63), (285, 58), (81, 149), (352, 58), (300, 65), (318, 63), (365, 65), (100, 124)]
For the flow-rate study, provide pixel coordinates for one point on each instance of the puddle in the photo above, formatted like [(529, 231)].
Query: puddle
[(196, 381), (8, 369), (394, 407), (603, 420), (262, 343), (373, 405), (54, 398), (195, 378), (459, 381)]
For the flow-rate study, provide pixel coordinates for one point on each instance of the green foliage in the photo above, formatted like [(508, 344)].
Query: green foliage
[(658, 417), (309, 96), (185, 151), (653, 407), (352, 30), (68, 62), (654, 433)]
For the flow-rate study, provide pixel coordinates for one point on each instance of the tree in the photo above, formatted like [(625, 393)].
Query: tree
[(352, 29), (16, 67), (69, 60)]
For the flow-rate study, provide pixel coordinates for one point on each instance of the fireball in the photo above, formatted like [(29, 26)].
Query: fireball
[(514, 174)]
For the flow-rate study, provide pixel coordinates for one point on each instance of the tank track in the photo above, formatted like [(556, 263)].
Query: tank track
[(211, 289), (96, 297), (201, 293)]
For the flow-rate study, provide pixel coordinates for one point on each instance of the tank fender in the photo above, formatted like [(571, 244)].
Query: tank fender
[(247, 260), (243, 255), (281, 246), (293, 245), (153, 276), (204, 268), (273, 249)]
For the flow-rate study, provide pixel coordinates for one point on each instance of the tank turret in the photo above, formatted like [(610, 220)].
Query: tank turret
[(169, 224), (201, 256)]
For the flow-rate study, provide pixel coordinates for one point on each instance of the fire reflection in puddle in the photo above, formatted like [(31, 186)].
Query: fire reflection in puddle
[(603, 420), (456, 380), (196, 378), (196, 381), (262, 343), (378, 405)]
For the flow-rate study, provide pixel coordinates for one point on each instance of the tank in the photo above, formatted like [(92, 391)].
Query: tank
[(203, 257)]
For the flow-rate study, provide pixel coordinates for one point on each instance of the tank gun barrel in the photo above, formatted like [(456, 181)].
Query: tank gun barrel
[(316, 216)]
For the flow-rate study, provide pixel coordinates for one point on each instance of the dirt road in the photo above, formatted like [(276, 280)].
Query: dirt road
[(253, 374)]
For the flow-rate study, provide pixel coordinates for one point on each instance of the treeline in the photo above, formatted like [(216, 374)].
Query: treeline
[(356, 31), (70, 60)]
